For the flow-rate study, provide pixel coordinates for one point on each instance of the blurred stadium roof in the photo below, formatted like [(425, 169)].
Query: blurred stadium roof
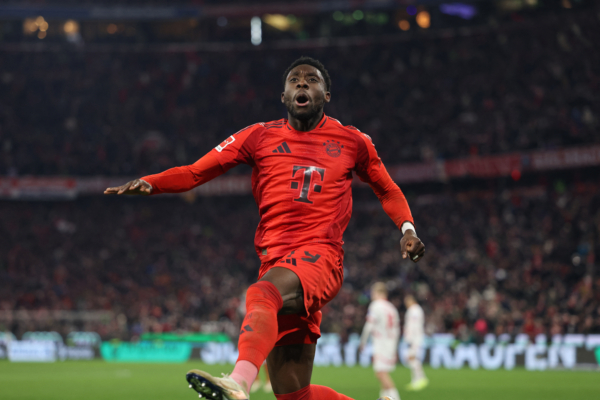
[(188, 22)]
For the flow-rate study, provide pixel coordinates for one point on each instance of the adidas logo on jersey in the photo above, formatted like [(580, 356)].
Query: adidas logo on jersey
[(282, 148)]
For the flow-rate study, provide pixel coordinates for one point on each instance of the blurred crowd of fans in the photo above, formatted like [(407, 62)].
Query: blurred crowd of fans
[(118, 113), (513, 261)]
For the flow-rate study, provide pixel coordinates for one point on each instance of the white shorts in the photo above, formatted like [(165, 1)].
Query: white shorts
[(413, 350), (384, 362)]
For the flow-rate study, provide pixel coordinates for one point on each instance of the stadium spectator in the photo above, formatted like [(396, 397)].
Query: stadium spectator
[(87, 112), (523, 263)]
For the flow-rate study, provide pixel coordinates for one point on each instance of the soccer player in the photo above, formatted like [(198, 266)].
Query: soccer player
[(301, 180), (383, 326), (414, 335)]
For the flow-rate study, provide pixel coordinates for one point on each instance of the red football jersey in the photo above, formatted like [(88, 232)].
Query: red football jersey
[(302, 180)]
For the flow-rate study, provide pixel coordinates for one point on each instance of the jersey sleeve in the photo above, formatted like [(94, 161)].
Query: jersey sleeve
[(238, 148), (371, 170), (187, 177), (368, 165), (369, 325)]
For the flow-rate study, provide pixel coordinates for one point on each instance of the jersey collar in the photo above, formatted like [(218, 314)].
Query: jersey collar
[(319, 125)]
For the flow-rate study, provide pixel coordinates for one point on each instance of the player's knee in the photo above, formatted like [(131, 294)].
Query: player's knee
[(263, 292)]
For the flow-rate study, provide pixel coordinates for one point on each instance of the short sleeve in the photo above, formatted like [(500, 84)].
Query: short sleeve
[(238, 148), (371, 313), (368, 164)]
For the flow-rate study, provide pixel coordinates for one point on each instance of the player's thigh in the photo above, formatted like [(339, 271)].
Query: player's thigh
[(384, 361), (289, 286), (290, 367)]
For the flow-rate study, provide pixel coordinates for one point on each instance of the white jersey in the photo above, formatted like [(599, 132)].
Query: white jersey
[(383, 325), (414, 322)]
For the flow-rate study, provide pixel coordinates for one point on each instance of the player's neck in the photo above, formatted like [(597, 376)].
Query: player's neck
[(305, 126)]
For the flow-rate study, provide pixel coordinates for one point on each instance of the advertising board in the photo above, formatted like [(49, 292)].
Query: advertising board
[(443, 351), (146, 351), (31, 351)]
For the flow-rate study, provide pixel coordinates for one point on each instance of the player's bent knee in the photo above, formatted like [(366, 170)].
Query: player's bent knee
[(285, 280), (263, 292)]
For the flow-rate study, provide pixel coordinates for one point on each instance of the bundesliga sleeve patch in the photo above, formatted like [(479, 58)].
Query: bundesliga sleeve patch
[(225, 143)]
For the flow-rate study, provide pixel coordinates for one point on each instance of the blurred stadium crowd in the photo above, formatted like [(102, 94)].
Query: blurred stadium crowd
[(514, 261), (517, 260), (127, 113)]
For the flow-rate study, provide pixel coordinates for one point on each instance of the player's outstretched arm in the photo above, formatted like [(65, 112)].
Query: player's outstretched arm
[(396, 207), (366, 333), (173, 180), (134, 187), (370, 169)]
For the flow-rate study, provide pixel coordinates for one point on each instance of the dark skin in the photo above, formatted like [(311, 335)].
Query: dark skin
[(290, 367), (304, 96)]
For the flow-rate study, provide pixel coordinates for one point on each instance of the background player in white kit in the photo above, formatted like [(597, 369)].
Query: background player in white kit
[(414, 335), (383, 325)]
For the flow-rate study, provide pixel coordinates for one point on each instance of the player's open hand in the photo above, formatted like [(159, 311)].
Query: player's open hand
[(411, 246), (135, 187)]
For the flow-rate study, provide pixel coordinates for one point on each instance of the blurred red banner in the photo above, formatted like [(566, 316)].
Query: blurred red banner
[(44, 188)]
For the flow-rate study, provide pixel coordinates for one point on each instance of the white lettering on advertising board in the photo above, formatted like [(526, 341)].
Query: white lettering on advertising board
[(31, 351)]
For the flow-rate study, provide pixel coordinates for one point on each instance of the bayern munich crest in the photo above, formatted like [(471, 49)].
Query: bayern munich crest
[(333, 148)]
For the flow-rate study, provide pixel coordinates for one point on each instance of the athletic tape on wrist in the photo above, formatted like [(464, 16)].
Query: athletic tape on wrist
[(406, 226)]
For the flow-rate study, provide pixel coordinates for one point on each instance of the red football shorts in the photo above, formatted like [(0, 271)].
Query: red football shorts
[(321, 273)]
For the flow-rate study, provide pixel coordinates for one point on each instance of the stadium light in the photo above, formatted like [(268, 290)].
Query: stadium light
[(278, 21), (71, 27), (338, 16), (358, 15), (424, 19), (465, 11), (404, 24), (112, 29), (29, 26), (256, 31), (43, 26)]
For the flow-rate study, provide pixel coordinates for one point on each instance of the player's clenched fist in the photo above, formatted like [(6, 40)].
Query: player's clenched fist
[(411, 246), (135, 187)]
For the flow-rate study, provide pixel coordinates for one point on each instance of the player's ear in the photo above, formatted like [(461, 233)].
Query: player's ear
[(327, 97), (283, 97)]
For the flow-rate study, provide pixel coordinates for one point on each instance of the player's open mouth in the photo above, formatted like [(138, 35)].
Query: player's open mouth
[(302, 100)]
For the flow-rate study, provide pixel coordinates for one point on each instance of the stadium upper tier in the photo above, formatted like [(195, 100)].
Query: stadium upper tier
[(129, 113), (118, 113)]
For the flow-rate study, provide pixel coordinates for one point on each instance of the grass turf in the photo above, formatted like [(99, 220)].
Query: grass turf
[(91, 380)]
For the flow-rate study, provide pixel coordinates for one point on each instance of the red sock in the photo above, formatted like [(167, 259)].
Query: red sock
[(313, 392), (259, 329)]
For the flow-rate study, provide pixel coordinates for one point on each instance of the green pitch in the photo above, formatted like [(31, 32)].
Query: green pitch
[(91, 380)]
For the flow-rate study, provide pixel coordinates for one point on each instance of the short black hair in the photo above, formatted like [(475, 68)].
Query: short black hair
[(309, 61)]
